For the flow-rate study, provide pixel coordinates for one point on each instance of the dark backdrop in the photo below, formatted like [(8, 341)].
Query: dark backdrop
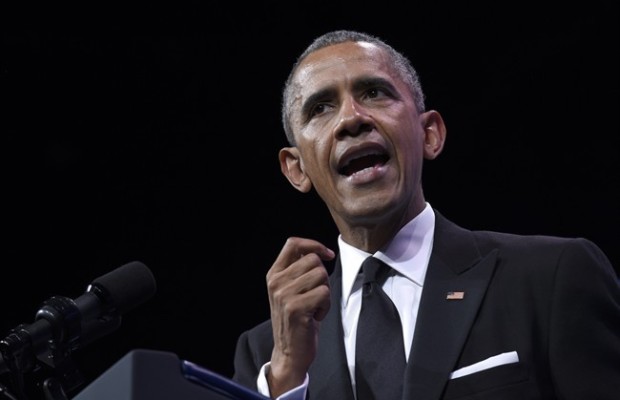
[(150, 132)]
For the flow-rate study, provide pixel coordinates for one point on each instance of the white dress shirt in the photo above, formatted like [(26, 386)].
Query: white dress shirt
[(408, 254)]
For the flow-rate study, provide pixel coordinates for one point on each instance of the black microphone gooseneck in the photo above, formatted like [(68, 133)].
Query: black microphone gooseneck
[(63, 325)]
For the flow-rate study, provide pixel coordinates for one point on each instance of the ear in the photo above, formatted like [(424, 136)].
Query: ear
[(292, 167), (434, 134)]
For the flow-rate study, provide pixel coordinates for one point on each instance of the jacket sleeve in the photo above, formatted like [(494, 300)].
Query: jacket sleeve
[(245, 370), (252, 351), (584, 338)]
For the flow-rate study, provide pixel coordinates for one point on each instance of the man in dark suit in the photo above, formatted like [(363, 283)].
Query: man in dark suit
[(484, 315)]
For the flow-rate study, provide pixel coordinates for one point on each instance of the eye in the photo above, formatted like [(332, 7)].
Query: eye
[(318, 109), (376, 93)]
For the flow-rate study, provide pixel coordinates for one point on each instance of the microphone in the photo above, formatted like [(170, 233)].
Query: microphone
[(63, 325)]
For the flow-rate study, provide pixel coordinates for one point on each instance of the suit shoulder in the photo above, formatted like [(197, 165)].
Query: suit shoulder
[(524, 242), (538, 250), (525, 249)]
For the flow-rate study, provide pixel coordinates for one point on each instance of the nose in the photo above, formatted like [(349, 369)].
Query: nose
[(354, 118)]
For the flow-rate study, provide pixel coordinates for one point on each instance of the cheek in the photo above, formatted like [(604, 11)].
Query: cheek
[(311, 162), (315, 162), (315, 134), (411, 153), (314, 146)]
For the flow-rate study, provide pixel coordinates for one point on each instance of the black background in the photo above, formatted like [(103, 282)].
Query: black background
[(150, 132)]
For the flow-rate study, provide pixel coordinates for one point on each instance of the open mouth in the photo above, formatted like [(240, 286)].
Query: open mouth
[(358, 164)]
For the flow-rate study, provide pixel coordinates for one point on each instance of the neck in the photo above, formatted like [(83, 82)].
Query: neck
[(373, 235)]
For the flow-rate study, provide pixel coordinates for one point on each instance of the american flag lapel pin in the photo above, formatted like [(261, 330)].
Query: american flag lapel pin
[(455, 295)]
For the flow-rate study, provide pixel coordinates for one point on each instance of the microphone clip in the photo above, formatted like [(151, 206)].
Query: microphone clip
[(47, 344)]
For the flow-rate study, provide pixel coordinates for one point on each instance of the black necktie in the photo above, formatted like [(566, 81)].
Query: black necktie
[(379, 354)]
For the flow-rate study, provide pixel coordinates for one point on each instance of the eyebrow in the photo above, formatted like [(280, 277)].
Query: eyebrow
[(364, 83), (316, 97), (360, 84)]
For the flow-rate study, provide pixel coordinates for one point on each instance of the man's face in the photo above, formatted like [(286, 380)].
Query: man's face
[(359, 136)]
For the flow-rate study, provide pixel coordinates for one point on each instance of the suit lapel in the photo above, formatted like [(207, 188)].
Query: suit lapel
[(329, 373), (443, 324)]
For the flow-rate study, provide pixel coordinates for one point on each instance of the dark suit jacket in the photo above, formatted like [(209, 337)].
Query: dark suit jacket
[(555, 301)]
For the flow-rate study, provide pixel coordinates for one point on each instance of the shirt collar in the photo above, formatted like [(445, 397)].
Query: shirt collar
[(408, 253)]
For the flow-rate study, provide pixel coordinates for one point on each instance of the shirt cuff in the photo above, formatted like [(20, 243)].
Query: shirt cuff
[(298, 393)]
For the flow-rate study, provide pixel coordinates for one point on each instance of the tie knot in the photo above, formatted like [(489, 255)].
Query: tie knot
[(374, 270)]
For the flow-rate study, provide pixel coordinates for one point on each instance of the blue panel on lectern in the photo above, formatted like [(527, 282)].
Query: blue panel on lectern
[(159, 375), (218, 383)]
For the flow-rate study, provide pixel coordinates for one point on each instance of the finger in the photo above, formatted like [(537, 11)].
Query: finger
[(298, 268), (306, 279), (313, 304), (286, 286), (296, 247)]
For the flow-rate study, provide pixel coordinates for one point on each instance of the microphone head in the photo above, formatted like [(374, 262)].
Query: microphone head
[(126, 287)]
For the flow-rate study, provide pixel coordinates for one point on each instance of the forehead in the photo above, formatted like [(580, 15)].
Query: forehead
[(341, 63)]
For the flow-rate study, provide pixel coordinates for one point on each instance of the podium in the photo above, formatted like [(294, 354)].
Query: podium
[(158, 375)]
